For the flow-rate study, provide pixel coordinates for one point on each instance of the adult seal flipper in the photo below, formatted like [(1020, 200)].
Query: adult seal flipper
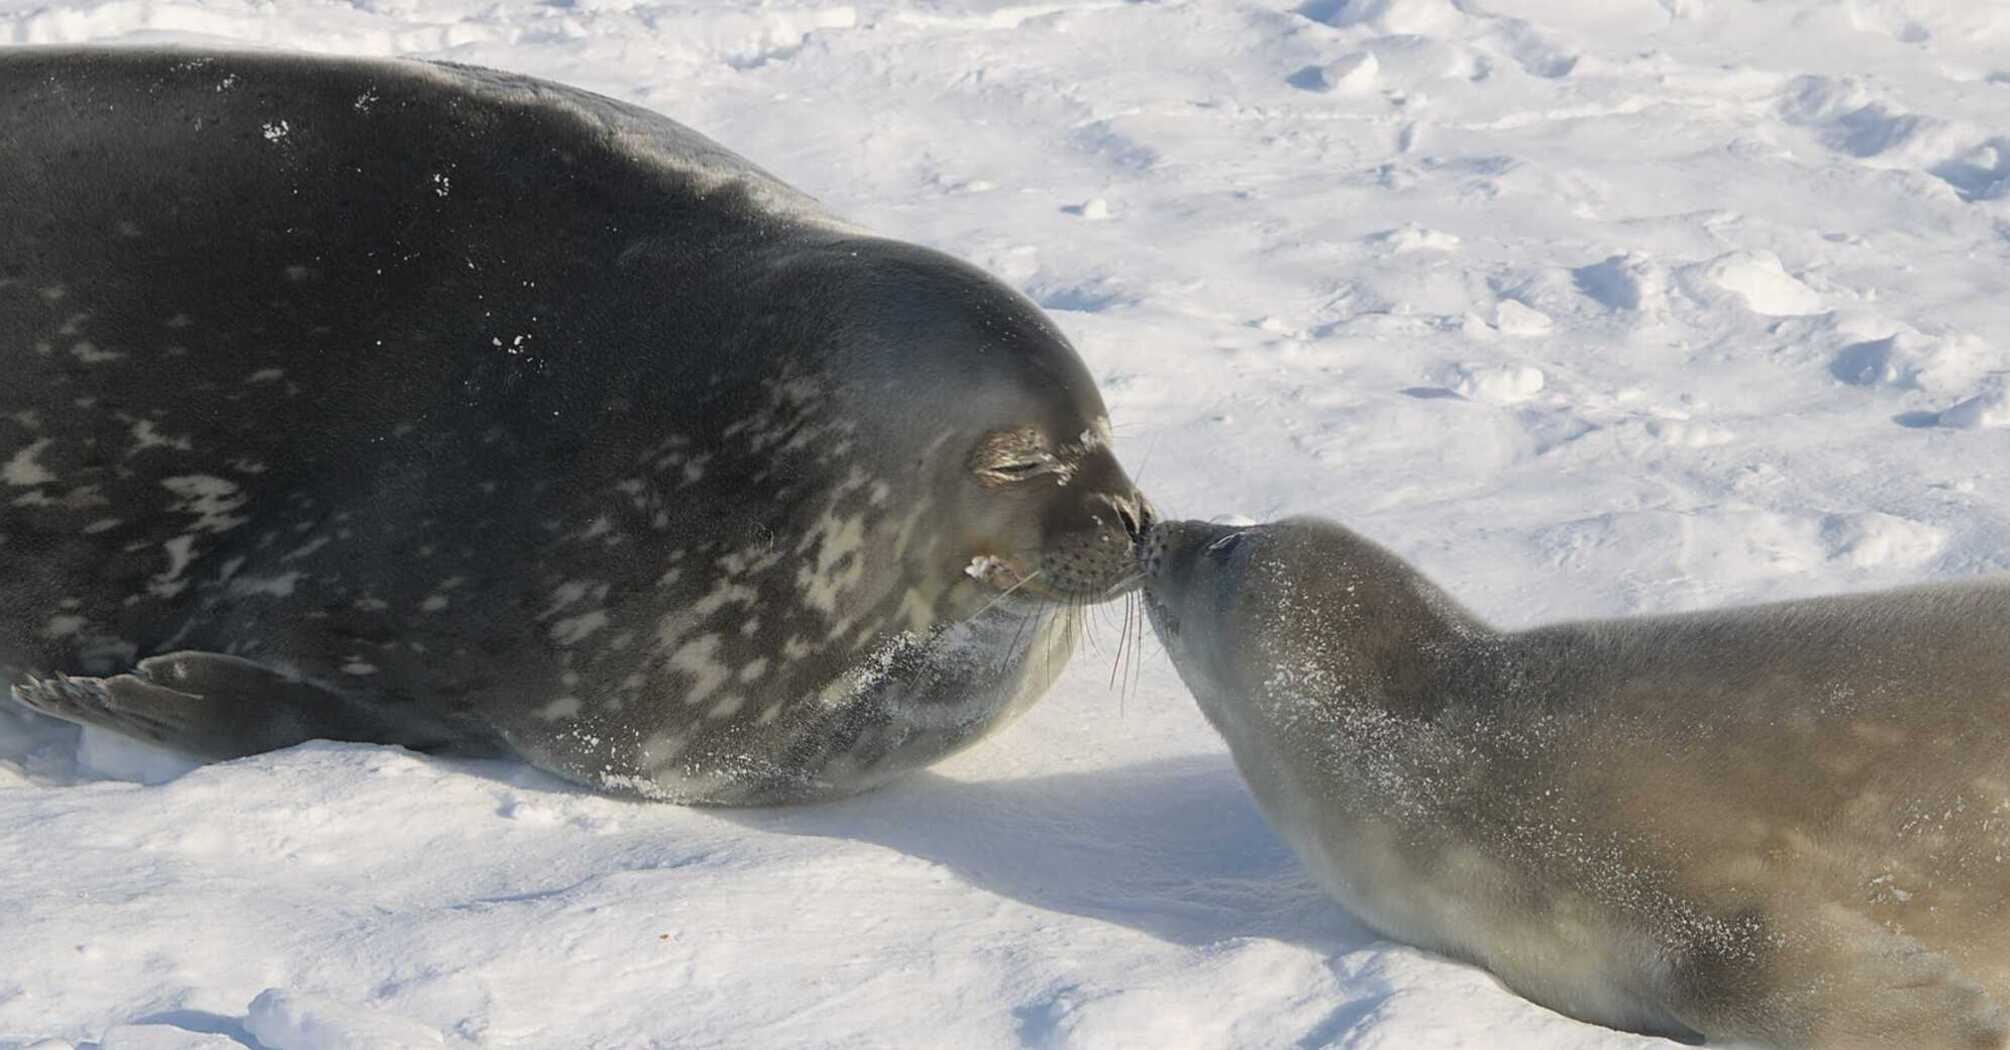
[(438, 406), (1785, 825), (214, 706)]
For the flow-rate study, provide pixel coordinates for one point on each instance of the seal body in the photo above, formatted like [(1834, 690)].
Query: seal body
[(1785, 825), (432, 405)]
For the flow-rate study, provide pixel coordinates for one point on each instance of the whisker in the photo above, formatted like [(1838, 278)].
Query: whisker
[(1117, 667), (1011, 654), (1145, 463), (1138, 649), (1118, 588), (1064, 608), (1080, 614), (1122, 641), (1127, 655), (1002, 595), (1047, 646), (1137, 643), (1036, 617)]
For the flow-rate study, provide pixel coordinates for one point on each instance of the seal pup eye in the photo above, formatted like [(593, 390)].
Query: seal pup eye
[(1224, 548)]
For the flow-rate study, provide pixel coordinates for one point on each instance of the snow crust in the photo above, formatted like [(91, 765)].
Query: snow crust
[(1587, 309)]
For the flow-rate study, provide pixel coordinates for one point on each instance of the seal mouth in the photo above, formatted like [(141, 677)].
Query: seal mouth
[(1009, 577), (1178, 559), (1150, 553), (1012, 576), (1151, 549), (1001, 573), (1160, 614)]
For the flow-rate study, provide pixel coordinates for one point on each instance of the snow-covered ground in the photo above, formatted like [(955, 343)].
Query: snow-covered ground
[(1587, 308)]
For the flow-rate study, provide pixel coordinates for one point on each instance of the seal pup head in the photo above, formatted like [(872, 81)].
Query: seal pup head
[(1196, 583), (1236, 606)]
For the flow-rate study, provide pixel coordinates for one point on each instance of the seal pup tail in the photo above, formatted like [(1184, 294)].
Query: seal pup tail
[(213, 706)]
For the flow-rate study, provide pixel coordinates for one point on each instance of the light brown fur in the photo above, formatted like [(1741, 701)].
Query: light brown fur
[(1786, 825)]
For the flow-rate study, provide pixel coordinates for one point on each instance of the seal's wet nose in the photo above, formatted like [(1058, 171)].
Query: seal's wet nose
[(1153, 542), (1148, 548), (1137, 515)]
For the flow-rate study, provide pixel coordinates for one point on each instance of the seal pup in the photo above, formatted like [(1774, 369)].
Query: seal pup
[(1785, 825), (412, 403)]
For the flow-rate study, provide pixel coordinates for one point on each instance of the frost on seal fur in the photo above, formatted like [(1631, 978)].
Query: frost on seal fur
[(955, 682), (1684, 825)]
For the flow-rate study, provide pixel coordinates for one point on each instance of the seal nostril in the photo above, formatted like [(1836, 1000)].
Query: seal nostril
[(1136, 514), (1127, 515)]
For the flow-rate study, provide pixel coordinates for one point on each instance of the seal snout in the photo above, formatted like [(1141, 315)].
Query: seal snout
[(1151, 548), (1136, 515), (1172, 548), (1091, 543)]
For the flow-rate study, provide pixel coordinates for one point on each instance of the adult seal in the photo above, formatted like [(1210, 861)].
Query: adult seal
[(430, 405), (1785, 825)]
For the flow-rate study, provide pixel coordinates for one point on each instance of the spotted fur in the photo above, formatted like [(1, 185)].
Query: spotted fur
[(499, 415)]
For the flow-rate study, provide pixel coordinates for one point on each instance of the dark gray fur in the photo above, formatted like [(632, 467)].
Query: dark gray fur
[(422, 404)]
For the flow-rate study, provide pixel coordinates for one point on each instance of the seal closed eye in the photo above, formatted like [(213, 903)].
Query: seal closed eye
[(424, 404), (1780, 825)]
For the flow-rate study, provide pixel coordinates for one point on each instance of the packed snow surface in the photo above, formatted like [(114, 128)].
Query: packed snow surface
[(1586, 308)]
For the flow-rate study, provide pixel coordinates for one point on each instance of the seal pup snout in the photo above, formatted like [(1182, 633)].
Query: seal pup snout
[(1175, 546), (1193, 568), (1175, 556)]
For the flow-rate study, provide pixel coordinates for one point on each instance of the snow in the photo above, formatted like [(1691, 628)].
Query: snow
[(1766, 288), (1587, 309), (282, 1020), (1990, 409)]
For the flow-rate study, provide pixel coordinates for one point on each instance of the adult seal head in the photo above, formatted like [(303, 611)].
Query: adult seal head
[(401, 402), (1785, 825)]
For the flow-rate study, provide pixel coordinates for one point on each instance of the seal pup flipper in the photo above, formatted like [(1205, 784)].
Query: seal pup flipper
[(1912, 996), (211, 706), (1816, 975), (1879, 989)]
